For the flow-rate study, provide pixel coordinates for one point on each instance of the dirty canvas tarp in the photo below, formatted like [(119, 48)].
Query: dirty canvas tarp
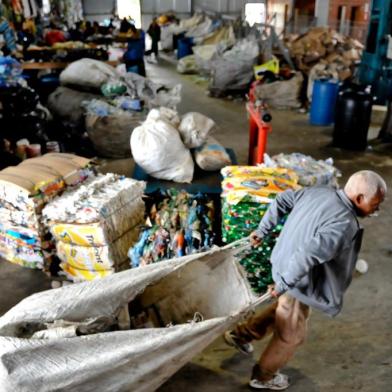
[(210, 283)]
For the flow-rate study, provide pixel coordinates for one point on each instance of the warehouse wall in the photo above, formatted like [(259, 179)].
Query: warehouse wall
[(225, 7), (151, 8), (98, 9)]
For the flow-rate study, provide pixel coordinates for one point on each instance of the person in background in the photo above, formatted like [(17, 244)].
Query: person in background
[(88, 31), (9, 36), (76, 33), (134, 56), (124, 26), (96, 27), (313, 263), (54, 35), (154, 31)]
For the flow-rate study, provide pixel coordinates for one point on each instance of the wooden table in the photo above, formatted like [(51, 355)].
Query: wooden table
[(56, 65)]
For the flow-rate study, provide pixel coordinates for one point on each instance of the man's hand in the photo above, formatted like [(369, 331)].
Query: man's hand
[(255, 240), (271, 290)]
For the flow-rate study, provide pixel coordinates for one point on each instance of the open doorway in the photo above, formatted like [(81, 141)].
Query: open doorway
[(255, 13), (130, 9)]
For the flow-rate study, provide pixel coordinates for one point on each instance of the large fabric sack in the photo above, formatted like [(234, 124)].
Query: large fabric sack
[(283, 94), (88, 74), (66, 104), (110, 134), (157, 148), (233, 70), (194, 129), (40, 350), (212, 155)]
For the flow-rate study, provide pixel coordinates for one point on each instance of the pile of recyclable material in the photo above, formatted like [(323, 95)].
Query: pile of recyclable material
[(24, 191), (95, 225), (247, 192), (10, 72), (310, 172), (178, 224)]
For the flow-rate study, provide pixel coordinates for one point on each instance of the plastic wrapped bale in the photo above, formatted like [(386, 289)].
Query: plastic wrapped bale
[(247, 193), (45, 338), (282, 94), (24, 191), (95, 225)]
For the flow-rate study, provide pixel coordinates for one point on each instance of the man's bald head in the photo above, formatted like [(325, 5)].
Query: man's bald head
[(366, 189)]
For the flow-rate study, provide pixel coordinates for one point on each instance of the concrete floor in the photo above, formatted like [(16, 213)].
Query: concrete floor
[(350, 353)]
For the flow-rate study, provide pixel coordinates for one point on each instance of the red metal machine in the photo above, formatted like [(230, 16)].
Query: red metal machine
[(259, 127)]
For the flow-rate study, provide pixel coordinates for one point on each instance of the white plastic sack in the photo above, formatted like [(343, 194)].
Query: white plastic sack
[(211, 283), (166, 114), (157, 148), (88, 73), (212, 155), (194, 129)]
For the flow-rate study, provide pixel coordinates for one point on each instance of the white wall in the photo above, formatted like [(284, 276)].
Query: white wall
[(98, 9), (151, 8), (225, 7), (321, 12)]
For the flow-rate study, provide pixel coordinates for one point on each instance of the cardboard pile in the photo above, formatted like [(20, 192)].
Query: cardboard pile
[(24, 191), (328, 49), (95, 225)]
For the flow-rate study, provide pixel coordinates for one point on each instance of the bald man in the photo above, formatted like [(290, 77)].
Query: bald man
[(312, 266)]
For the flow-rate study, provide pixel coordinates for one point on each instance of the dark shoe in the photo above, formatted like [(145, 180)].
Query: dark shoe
[(234, 341)]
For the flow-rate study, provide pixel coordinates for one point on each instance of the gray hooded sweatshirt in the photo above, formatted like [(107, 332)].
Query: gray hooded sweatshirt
[(315, 255)]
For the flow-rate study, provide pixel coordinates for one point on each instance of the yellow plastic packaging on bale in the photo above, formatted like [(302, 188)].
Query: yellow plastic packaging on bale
[(96, 258)]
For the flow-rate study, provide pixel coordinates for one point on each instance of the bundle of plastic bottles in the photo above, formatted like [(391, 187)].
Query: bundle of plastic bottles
[(309, 170), (178, 224), (247, 194)]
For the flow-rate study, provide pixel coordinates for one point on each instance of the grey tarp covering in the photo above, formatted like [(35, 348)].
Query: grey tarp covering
[(210, 283)]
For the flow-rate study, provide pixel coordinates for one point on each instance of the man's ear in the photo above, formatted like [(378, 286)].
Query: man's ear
[(359, 198)]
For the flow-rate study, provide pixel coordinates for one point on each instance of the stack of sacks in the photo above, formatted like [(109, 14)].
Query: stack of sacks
[(95, 225), (161, 145), (24, 191), (247, 192)]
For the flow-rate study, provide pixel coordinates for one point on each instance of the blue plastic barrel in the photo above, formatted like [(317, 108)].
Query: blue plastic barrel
[(184, 47), (322, 110)]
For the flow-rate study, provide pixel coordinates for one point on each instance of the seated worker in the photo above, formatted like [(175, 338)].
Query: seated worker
[(54, 35), (134, 56)]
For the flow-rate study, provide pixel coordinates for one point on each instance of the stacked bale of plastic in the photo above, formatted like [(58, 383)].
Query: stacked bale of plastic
[(95, 225), (247, 192), (24, 191)]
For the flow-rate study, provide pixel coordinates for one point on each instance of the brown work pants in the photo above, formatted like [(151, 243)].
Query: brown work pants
[(287, 320)]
